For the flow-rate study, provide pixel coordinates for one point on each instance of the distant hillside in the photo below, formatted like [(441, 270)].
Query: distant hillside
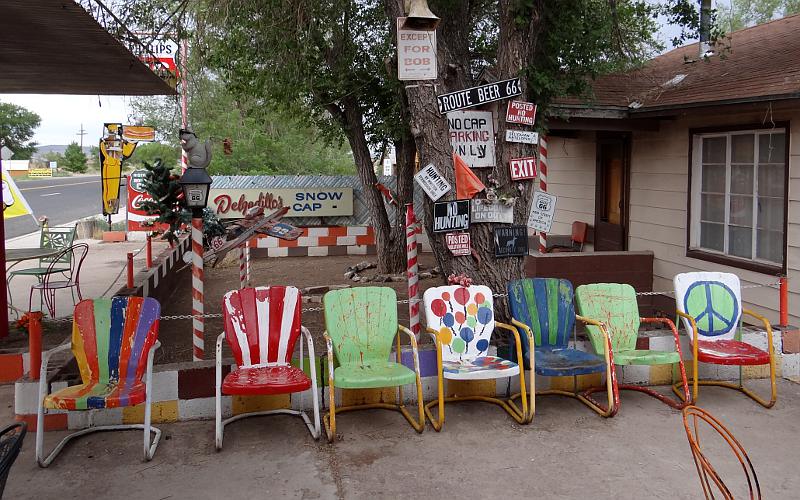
[(57, 148)]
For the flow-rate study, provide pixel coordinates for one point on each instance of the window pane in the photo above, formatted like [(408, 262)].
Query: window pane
[(740, 242), (741, 210), (770, 213), (713, 178), (772, 148), (714, 149), (742, 179), (742, 146), (770, 246), (712, 207), (771, 180), (712, 236)]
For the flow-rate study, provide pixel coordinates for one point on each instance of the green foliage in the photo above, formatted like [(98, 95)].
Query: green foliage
[(74, 159), (149, 152), (743, 13), (17, 126), (167, 203)]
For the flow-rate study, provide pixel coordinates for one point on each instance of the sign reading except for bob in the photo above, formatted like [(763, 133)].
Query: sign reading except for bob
[(458, 244), (543, 208), (416, 53), (476, 96), (511, 241), (449, 216), (302, 202), (522, 136), (432, 182), (472, 137), (486, 211)]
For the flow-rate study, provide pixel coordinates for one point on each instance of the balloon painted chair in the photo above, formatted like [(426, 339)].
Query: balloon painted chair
[(361, 324), (113, 341), (262, 326), (461, 322), (545, 309), (710, 306), (614, 305)]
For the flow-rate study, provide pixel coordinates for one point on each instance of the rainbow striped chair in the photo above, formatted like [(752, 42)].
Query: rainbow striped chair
[(262, 326), (113, 341)]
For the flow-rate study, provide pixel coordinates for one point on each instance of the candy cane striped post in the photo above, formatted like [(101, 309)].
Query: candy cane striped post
[(542, 185), (247, 263), (184, 104), (198, 325), (242, 270), (412, 270)]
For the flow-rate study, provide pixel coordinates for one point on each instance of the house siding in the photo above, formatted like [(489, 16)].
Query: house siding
[(658, 198), (571, 177)]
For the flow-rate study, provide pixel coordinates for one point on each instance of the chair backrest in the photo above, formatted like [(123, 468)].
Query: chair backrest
[(714, 300), (546, 306), (579, 233), (693, 417), (615, 305), (362, 323), (56, 237), (262, 324), (74, 256), (111, 338), (464, 318)]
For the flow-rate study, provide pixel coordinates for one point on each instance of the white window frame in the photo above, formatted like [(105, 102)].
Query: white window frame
[(696, 188)]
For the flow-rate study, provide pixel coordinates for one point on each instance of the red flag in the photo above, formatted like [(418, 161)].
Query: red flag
[(467, 183)]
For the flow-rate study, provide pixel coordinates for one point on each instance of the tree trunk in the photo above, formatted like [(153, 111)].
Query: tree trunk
[(431, 132)]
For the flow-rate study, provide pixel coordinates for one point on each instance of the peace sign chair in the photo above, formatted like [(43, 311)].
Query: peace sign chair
[(262, 326), (545, 309), (360, 326), (710, 306), (461, 321), (614, 305), (113, 341)]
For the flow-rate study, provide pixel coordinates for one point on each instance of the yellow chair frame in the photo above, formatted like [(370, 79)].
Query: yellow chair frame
[(719, 383), (522, 416), (329, 419), (583, 397)]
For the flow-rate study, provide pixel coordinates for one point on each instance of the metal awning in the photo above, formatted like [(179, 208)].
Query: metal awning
[(57, 47)]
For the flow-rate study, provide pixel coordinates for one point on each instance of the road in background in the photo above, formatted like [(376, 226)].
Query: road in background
[(61, 199)]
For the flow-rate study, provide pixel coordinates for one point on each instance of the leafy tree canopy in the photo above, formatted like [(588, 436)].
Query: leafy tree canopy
[(74, 159), (738, 14), (17, 126)]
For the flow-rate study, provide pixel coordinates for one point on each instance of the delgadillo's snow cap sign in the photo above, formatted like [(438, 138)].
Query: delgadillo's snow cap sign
[(543, 208), (416, 53), (511, 241), (449, 216), (458, 244), (522, 136), (472, 137), (521, 112), (476, 96), (432, 182), (522, 168)]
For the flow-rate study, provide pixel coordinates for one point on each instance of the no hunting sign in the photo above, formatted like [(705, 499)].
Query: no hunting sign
[(449, 216)]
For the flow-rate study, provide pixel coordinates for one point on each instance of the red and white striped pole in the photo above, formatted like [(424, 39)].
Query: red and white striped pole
[(542, 184), (198, 322), (242, 271), (184, 104), (412, 270), (247, 263)]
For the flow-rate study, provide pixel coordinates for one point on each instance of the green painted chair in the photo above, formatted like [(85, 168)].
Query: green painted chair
[(360, 326), (614, 305)]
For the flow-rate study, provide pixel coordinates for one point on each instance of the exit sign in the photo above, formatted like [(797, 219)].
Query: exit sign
[(523, 168)]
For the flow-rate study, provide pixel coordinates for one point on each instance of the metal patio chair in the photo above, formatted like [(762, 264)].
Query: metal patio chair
[(10, 443), (710, 306), (50, 237), (545, 309), (60, 279), (113, 341), (614, 305), (262, 326), (461, 321), (360, 326)]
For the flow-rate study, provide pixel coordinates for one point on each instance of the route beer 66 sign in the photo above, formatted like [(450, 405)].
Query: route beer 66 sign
[(476, 96), (458, 244), (521, 112), (523, 168)]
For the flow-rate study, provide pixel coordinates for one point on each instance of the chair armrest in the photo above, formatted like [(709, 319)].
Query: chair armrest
[(515, 333), (767, 326), (309, 341), (433, 333), (329, 345), (401, 328), (600, 325), (531, 343), (152, 353), (671, 326), (46, 358), (692, 322)]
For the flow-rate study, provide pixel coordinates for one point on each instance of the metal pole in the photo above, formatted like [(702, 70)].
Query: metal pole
[(149, 251), (247, 263), (242, 271), (3, 288), (542, 185), (412, 270), (198, 325), (784, 301), (184, 106), (35, 344), (130, 270)]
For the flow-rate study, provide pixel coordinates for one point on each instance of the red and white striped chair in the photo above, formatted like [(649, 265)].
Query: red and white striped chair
[(262, 326)]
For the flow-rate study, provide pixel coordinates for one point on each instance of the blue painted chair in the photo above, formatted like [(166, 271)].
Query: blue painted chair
[(544, 307)]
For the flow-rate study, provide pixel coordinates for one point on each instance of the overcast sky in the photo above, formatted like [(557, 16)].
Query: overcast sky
[(63, 115)]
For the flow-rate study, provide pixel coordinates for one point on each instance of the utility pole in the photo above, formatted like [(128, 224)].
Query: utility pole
[(82, 133)]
